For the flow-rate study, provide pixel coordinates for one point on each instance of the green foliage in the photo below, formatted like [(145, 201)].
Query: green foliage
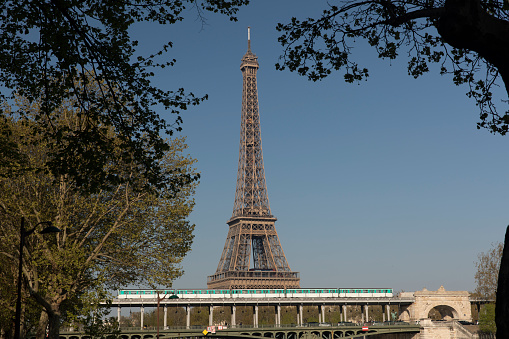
[(52, 51), (487, 319), (463, 38), (96, 325), (200, 316), (108, 239), (288, 315)]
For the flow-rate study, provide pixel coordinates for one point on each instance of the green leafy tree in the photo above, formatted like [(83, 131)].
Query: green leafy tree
[(487, 319), (45, 45), (486, 276), (97, 325), (128, 235), (468, 39), (288, 315)]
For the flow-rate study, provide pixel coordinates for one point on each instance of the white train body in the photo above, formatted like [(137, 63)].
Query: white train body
[(260, 293)]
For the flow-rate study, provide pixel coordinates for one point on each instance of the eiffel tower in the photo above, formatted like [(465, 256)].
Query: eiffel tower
[(252, 256)]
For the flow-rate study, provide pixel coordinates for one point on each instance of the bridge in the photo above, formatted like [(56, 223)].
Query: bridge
[(308, 331), (409, 306)]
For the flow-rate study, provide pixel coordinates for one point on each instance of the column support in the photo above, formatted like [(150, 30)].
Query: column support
[(234, 313), (118, 315), (165, 320), (344, 313), (142, 313), (211, 315), (388, 311), (188, 316), (366, 307), (278, 315), (323, 313), (301, 309), (255, 316)]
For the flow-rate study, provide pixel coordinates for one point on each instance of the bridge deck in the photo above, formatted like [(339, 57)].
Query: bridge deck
[(276, 332)]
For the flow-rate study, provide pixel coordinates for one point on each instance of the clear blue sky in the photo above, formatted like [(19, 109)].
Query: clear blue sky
[(386, 183)]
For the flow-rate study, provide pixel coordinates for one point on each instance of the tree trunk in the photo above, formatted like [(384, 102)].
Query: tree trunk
[(502, 303), (54, 322), (466, 25), (43, 324)]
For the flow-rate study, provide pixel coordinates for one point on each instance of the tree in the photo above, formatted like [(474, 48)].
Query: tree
[(45, 45), (129, 234), (502, 306), (486, 276), (466, 38), (487, 319)]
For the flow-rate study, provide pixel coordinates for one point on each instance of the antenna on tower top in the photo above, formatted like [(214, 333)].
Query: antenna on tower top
[(249, 38)]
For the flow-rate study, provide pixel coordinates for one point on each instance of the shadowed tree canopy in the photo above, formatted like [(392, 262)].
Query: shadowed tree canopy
[(111, 238), (45, 45), (466, 38)]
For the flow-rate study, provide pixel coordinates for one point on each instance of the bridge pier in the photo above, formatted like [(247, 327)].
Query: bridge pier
[(165, 320), (299, 314), (211, 315), (234, 313), (142, 315), (277, 313), (255, 316), (344, 313), (188, 316), (365, 315)]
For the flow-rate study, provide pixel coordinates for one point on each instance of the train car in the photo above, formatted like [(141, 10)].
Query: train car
[(261, 293), (137, 294)]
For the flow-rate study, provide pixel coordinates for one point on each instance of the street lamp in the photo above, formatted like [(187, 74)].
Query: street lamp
[(23, 234)]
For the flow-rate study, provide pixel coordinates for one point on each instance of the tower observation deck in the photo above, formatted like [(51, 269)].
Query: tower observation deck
[(252, 256)]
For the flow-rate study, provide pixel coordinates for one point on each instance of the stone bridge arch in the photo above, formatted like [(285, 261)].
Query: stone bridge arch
[(450, 304)]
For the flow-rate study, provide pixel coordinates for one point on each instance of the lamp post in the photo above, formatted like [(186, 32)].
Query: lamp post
[(23, 235)]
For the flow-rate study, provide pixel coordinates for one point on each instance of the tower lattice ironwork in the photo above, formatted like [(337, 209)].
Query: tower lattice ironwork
[(252, 256)]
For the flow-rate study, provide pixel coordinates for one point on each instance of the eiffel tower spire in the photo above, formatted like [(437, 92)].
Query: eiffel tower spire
[(252, 256)]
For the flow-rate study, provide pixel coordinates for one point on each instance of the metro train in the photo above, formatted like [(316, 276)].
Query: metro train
[(260, 293)]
